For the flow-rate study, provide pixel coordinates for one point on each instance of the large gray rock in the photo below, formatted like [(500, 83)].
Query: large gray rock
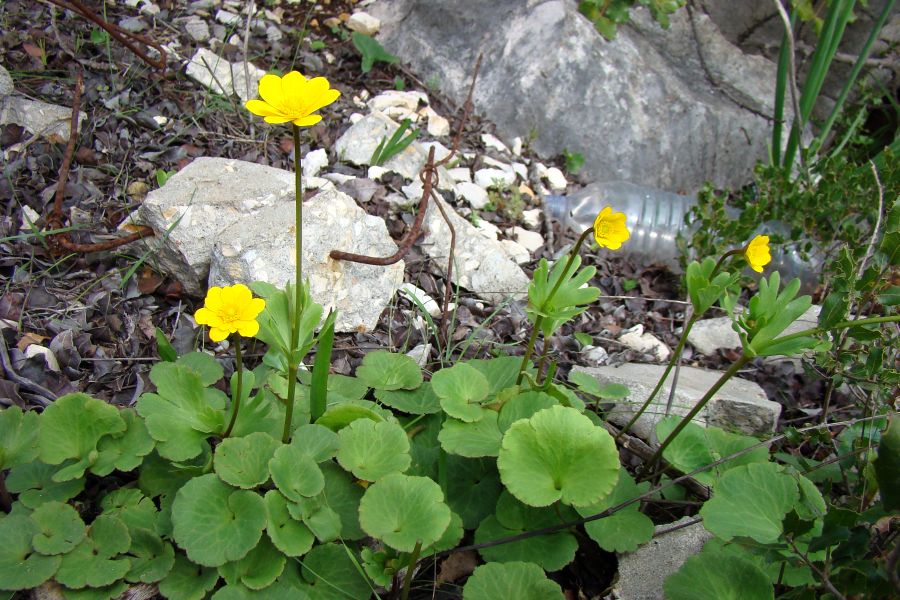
[(38, 118), (201, 200), (709, 335), (261, 248), (643, 572), (739, 404), (481, 265), (668, 108)]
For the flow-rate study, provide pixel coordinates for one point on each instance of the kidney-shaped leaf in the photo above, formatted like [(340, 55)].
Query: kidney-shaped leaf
[(626, 529), (385, 370), (461, 389), (401, 510), (258, 570), (22, 568), (296, 473), (18, 437), (215, 523), (519, 580), (717, 575), (289, 535), (124, 451), (372, 450), (244, 462), (59, 528), (750, 501), (71, 427), (558, 454), (420, 401), (472, 440)]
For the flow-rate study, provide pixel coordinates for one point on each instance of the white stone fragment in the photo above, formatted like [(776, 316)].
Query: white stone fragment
[(516, 251), (408, 101), (521, 170), (460, 174), (475, 195), (317, 183), (517, 146), (487, 229), (531, 240), (420, 296), (160, 120), (556, 179), (314, 162), (532, 217), (364, 23), (494, 143), (494, 178), (440, 151), (420, 354), (223, 77), (640, 341), (438, 126), (227, 18), (376, 173), (197, 29), (37, 349), (338, 178), (595, 354), (38, 118), (30, 217)]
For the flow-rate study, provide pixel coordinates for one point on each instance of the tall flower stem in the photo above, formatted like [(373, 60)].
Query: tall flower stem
[(236, 401), (294, 360), (539, 320), (413, 559)]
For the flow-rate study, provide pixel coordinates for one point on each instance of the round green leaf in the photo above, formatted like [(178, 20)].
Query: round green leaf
[(124, 451), (626, 529), (461, 389), (244, 462), (420, 401), (18, 437), (151, 557), (22, 568), (132, 507), (296, 473), (290, 536), (258, 570), (87, 566), (59, 528), (519, 580), (334, 575), (558, 454), (750, 501), (385, 370), (35, 485), (110, 536), (338, 417), (472, 440), (718, 576), (523, 406), (215, 523), (473, 486), (324, 522), (451, 536), (319, 442), (372, 450), (342, 495), (71, 427), (401, 510), (187, 580), (552, 552)]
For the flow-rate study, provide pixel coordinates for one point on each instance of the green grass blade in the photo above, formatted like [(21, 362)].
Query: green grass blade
[(318, 391)]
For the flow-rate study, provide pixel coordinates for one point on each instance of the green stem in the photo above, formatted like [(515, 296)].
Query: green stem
[(529, 350), (236, 401), (675, 356), (407, 579), (293, 362), (734, 368)]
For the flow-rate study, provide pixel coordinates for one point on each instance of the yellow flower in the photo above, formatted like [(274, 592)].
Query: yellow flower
[(610, 230), (757, 253), (229, 309), (292, 98)]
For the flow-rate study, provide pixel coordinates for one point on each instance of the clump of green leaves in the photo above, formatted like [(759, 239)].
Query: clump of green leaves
[(371, 51), (607, 15), (388, 148)]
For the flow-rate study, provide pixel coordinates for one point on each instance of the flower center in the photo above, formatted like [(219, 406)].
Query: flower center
[(602, 230)]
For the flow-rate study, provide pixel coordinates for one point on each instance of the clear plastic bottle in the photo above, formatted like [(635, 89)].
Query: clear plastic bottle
[(655, 218)]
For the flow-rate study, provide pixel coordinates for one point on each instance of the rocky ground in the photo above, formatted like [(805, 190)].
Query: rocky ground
[(80, 321)]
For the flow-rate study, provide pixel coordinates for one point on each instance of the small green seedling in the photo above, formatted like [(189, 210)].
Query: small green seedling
[(371, 51)]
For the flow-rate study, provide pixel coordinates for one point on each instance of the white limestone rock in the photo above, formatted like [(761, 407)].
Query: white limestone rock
[(473, 194), (314, 162), (6, 83), (494, 178), (517, 251), (556, 179), (38, 118), (482, 265), (364, 23), (460, 174), (492, 142), (420, 296), (739, 404), (223, 77), (201, 200), (262, 248), (640, 341), (531, 240)]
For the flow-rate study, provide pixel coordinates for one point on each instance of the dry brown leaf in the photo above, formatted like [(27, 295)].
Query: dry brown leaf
[(457, 566)]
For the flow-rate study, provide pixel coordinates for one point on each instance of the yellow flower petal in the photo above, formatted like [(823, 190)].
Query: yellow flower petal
[(217, 335), (253, 308), (610, 230), (324, 99), (203, 316), (277, 119), (271, 90), (213, 298), (247, 328), (757, 253), (307, 121), (260, 108)]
